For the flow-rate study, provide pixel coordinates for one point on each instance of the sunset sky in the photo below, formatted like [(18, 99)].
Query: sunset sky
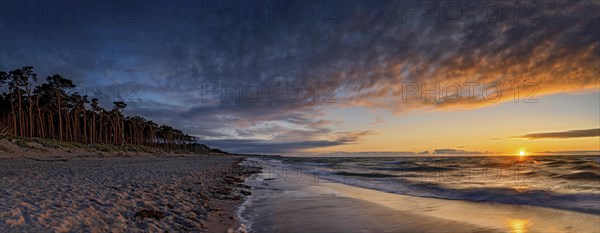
[(344, 75)]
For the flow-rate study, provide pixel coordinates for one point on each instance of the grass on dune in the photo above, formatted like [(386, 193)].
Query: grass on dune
[(43, 144), (4, 149), (23, 144), (47, 143)]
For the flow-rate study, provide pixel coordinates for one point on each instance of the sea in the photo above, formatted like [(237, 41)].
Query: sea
[(560, 182)]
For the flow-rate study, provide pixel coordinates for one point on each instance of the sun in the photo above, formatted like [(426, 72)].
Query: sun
[(521, 153)]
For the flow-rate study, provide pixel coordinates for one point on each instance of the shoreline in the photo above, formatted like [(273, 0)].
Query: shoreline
[(133, 194), (489, 215), (303, 204)]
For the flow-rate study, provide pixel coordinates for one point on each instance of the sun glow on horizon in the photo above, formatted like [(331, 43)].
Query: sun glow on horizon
[(522, 153)]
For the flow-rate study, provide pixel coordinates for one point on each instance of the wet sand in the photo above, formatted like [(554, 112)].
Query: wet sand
[(486, 215), (293, 203)]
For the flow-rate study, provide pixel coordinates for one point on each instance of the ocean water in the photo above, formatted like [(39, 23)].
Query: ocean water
[(560, 182)]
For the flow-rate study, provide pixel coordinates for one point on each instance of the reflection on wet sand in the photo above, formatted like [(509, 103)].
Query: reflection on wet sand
[(518, 225)]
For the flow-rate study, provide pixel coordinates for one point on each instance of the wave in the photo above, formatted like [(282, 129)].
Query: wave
[(366, 175), (581, 176), (586, 203), (418, 168), (552, 188), (587, 167)]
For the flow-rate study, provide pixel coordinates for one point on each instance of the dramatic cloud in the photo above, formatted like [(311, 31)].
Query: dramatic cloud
[(228, 77), (563, 134)]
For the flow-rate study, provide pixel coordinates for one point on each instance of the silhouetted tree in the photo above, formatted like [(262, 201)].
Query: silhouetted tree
[(49, 111)]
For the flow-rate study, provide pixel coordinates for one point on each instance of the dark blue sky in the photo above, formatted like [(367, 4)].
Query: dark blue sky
[(184, 63)]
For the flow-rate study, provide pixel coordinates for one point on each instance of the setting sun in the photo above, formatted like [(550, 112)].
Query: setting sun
[(521, 153)]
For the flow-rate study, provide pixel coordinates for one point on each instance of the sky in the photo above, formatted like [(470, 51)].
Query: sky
[(305, 77)]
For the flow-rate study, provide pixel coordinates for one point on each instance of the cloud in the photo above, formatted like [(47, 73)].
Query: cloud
[(351, 137), (267, 147), (287, 143), (172, 52), (563, 134), (367, 154), (378, 120)]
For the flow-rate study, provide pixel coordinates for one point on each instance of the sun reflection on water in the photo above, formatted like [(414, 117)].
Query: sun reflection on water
[(518, 225)]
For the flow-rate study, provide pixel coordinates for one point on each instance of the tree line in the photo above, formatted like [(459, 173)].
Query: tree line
[(52, 110)]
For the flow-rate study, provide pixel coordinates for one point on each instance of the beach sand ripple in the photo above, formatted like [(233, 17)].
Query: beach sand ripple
[(138, 194)]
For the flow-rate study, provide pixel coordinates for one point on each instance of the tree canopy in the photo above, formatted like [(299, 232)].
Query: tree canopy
[(50, 110)]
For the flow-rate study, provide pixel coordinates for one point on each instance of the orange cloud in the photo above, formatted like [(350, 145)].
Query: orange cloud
[(563, 134)]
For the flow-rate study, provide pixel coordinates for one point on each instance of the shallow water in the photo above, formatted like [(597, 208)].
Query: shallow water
[(301, 205), (422, 195)]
